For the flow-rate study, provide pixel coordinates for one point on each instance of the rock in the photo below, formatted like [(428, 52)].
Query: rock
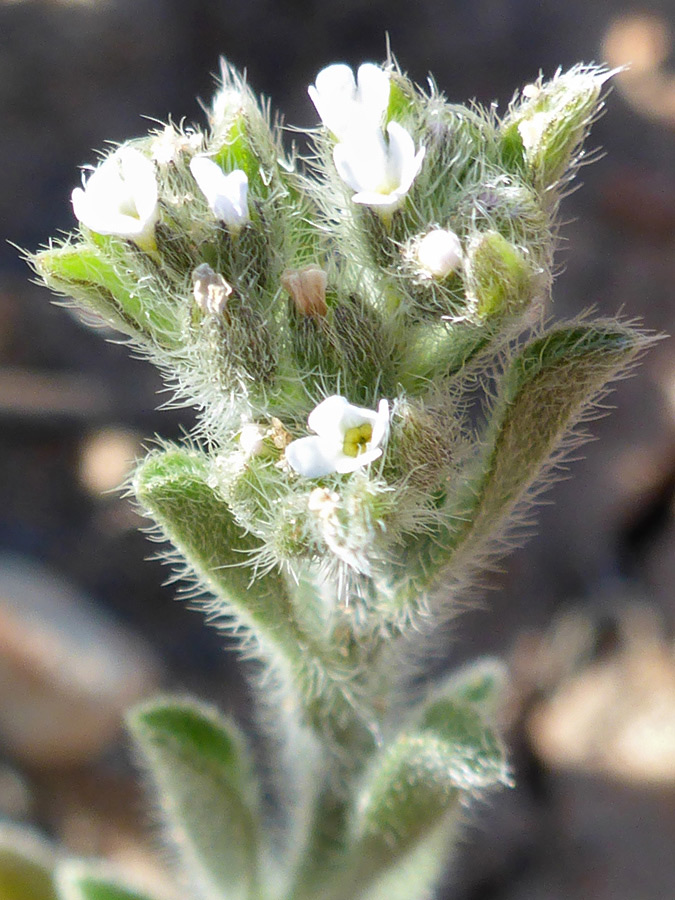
[(67, 671)]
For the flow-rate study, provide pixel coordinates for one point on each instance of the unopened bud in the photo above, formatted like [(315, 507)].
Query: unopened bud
[(499, 276), (278, 434), (553, 118), (307, 289), (210, 290), (323, 502), (170, 144), (251, 439), (439, 253)]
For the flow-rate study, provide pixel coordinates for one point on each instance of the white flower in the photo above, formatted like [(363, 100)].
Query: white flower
[(381, 173), (347, 438), (345, 104), (439, 252), (120, 198), (225, 194), (251, 439)]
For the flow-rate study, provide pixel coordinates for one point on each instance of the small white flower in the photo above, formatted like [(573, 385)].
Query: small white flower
[(225, 194), (347, 438), (251, 439), (120, 198), (439, 252), (345, 104), (381, 173)]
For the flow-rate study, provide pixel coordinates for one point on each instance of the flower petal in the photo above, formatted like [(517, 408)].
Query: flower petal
[(138, 174), (120, 197), (351, 463), (374, 89), (401, 152), (381, 424), (361, 161), (226, 194), (326, 419), (333, 96), (382, 201), (312, 457)]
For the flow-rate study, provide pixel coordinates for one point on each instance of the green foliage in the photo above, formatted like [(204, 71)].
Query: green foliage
[(208, 798), (548, 387), (400, 297)]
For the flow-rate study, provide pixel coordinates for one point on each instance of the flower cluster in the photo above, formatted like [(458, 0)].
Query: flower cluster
[(378, 165), (120, 197)]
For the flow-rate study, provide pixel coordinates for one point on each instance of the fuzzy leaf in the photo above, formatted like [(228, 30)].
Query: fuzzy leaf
[(542, 395), (26, 866), (173, 486), (199, 768), (479, 684), (85, 274), (76, 882), (478, 759), (406, 808)]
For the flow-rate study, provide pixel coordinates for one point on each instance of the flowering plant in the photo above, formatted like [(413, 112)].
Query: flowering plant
[(332, 320)]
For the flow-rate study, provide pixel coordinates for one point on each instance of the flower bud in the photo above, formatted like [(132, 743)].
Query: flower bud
[(226, 194), (251, 438), (307, 289), (323, 502), (439, 253), (169, 144), (552, 119), (499, 276), (210, 290)]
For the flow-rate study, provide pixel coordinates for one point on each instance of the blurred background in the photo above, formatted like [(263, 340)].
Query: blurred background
[(583, 614)]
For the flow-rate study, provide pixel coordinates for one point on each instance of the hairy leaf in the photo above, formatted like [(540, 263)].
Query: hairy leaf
[(199, 767)]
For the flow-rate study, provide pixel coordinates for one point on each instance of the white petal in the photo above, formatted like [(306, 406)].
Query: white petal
[(336, 81), (120, 197), (333, 96), (351, 463), (226, 194), (345, 108), (381, 201), (401, 152), (373, 92), (404, 164), (381, 424), (138, 175), (361, 161), (311, 457), (327, 419)]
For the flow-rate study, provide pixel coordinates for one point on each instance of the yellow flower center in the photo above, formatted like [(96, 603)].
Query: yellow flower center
[(357, 439)]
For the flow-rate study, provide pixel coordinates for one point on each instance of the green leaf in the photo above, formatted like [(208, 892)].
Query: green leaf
[(478, 760), (175, 489), (26, 866), (199, 767), (545, 391), (76, 881), (95, 279), (480, 684)]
